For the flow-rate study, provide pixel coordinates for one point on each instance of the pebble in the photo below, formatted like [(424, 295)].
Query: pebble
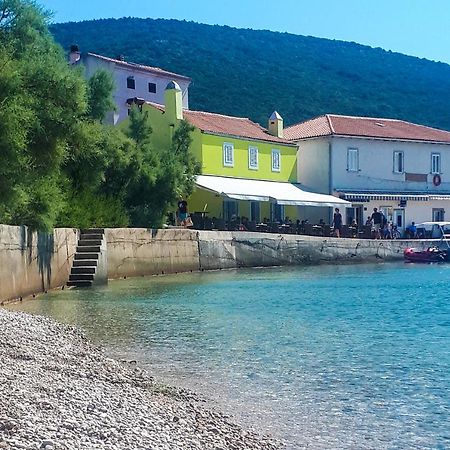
[(70, 396)]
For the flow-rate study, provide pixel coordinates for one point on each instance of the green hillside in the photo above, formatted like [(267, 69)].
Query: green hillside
[(250, 73)]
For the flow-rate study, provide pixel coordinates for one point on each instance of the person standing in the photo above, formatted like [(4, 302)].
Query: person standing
[(377, 219), (337, 222), (182, 212)]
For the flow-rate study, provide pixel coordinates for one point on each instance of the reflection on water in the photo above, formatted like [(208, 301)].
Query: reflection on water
[(327, 357)]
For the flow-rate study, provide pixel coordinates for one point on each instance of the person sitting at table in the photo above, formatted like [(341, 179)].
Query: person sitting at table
[(411, 231), (354, 227), (243, 226), (232, 224)]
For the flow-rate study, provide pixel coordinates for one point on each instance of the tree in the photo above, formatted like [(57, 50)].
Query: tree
[(58, 163), (100, 100), (53, 148), (163, 173), (42, 100)]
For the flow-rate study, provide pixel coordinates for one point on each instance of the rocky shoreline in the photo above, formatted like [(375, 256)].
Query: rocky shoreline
[(58, 391)]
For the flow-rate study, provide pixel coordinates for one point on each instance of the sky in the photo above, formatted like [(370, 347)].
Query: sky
[(414, 27)]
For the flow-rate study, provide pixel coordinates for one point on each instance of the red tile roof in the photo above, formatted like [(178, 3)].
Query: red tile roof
[(335, 125), (134, 66), (227, 125)]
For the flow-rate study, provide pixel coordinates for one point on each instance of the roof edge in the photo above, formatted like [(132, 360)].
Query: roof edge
[(330, 123), (140, 67), (246, 138)]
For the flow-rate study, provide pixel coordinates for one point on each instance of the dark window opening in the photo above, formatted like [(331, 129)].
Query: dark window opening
[(152, 88), (131, 83)]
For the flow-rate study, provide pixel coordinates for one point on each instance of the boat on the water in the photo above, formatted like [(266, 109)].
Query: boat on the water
[(438, 251), (431, 254)]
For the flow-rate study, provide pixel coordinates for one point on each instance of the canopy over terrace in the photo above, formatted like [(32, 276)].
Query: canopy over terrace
[(281, 193)]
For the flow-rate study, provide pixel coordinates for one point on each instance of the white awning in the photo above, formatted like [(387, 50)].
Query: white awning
[(357, 197), (267, 191)]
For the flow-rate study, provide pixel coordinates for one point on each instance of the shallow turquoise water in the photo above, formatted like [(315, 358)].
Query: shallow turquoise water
[(327, 357)]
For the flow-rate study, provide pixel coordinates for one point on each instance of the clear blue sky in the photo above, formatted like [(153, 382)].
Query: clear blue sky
[(414, 27)]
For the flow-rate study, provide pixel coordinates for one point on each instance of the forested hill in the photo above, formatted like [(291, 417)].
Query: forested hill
[(251, 73)]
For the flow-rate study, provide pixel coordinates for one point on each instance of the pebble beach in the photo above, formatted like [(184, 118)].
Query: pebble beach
[(59, 391)]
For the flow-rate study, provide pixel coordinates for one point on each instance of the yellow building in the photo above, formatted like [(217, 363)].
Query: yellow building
[(247, 170)]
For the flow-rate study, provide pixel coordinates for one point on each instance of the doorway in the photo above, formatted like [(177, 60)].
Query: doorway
[(438, 214), (355, 212), (399, 219)]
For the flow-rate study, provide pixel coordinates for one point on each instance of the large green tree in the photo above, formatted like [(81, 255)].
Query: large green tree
[(59, 164), (41, 100)]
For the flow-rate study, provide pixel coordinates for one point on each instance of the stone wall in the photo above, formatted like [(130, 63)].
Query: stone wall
[(140, 251), (32, 262), (243, 249)]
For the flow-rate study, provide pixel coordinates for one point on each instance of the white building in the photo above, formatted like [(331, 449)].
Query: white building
[(396, 166), (132, 81)]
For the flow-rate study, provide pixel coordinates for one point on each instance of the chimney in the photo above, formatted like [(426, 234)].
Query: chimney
[(74, 55), (276, 125), (173, 101)]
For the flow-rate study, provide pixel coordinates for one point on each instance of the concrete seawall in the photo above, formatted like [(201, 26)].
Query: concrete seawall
[(34, 262), (140, 251), (243, 249)]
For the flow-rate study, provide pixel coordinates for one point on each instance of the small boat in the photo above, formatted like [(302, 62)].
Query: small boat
[(439, 248), (431, 254)]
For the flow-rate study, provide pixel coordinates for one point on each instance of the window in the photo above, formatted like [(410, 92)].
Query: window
[(276, 212), (352, 160), (131, 83), (253, 158), (228, 155), (255, 213), (399, 166), (438, 215), (230, 209), (152, 88), (276, 161), (436, 163)]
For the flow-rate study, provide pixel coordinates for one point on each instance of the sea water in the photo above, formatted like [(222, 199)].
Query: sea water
[(326, 357)]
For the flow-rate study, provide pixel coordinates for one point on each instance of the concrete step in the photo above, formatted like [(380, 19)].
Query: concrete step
[(95, 236), (92, 230), (82, 277), (85, 263), (79, 283), (88, 242), (88, 249), (82, 270), (86, 255)]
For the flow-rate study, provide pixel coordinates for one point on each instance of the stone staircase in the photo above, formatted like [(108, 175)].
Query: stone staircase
[(86, 259)]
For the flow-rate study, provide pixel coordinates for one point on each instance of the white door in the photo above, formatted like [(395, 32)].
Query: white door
[(438, 214), (399, 219)]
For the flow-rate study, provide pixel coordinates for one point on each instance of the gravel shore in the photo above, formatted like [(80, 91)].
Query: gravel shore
[(58, 391)]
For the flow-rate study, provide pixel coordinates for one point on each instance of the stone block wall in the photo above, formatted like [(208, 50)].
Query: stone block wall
[(243, 249), (140, 251), (32, 262)]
